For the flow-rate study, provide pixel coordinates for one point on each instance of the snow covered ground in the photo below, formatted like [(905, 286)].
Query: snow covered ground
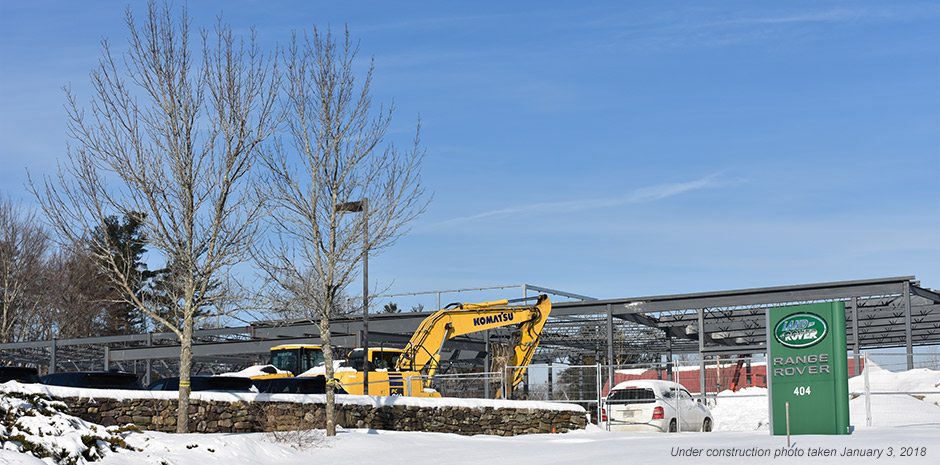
[(906, 429), (593, 446), (598, 447)]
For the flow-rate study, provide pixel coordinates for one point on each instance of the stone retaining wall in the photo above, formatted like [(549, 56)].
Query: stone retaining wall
[(213, 416)]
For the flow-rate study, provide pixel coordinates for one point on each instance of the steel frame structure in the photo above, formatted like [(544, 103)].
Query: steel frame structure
[(884, 312)]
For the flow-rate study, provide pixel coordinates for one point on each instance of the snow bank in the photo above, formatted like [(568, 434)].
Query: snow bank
[(744, 410), (375, 401), (920, 408), (747, 409), (894, 410), (916, 380), (40, 427)]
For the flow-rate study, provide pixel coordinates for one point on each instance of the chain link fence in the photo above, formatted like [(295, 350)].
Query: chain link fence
[(882, 391), (731, 391)]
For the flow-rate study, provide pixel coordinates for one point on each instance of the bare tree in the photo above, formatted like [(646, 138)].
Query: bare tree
[(334, 151), (23, 249), (172, 131), (75, 296)]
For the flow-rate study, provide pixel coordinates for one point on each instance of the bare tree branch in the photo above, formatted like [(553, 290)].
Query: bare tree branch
[(333, 150), (173, 130)]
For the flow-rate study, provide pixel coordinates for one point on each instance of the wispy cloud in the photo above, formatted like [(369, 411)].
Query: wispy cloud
[(636, 196), (718, 26)]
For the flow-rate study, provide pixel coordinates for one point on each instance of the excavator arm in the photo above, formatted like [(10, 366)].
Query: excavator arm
[(423, 352)]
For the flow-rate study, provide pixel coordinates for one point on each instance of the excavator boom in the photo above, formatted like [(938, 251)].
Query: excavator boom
[(423, 352)]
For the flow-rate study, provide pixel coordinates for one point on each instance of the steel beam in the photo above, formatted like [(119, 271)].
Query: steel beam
[(742, 349), (928, 294), (741, 297), (206, 350), (883, 315), (264, 346), (547, 290)]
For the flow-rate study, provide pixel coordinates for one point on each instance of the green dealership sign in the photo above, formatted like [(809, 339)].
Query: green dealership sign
[(808, 369)]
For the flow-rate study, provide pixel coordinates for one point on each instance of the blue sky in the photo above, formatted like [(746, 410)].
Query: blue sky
[(614, 149)]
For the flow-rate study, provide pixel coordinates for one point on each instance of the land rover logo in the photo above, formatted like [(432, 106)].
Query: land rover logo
[(800, 330)]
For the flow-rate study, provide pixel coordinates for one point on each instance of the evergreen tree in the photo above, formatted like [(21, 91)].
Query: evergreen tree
[(127, 247)]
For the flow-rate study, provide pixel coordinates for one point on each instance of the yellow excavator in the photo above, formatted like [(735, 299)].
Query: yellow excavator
[(410, 371)]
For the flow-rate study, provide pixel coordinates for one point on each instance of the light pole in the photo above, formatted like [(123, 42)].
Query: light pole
[(362, 206)]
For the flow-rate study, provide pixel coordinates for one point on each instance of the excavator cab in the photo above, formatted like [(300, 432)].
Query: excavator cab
[(379, 358), (296, 358)]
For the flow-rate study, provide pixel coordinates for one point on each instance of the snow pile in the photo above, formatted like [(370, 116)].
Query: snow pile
[(35, 425), (921, 380), (257, 370), (920, 408), (894, 410), (321, 370), (746, 409), (743, 410), (375, 401)]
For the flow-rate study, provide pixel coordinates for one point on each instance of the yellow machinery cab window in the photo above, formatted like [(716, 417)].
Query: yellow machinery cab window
[(297, 360), (311, 358)]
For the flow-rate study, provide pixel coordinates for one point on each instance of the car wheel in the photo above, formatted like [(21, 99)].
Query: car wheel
[(707, 425), (673, 426)]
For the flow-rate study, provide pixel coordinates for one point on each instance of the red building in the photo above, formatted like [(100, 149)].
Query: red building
[(727, 376)]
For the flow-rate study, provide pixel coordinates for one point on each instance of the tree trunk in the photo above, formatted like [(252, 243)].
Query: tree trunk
[(328, 361), (186, 362)]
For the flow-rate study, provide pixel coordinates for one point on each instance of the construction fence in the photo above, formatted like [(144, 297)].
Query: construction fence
[(882, 391)]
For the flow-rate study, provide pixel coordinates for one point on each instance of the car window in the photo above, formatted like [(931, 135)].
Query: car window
[(631, 396), (112, 380), (685, 394), (21, 374), (222, 383)]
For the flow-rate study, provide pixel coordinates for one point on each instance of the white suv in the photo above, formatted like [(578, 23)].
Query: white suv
[(650, 405)]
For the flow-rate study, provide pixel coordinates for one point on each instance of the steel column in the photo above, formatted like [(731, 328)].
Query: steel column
[(610, 347), (487, 364), (551, 383), (52, 358), (856, 344), (366, 365), (669, 361), (908, 337), (701, 354), (148, 376)]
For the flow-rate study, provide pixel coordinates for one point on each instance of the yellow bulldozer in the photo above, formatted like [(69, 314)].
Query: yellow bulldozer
[(410, 371)]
